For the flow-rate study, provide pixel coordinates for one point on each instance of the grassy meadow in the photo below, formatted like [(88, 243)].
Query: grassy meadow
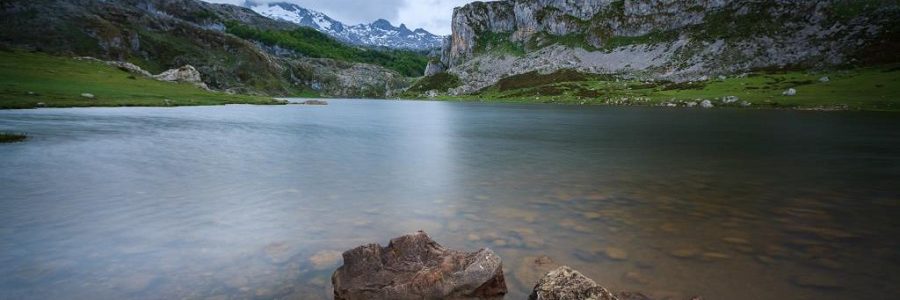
[(875, 88), (29, 80)]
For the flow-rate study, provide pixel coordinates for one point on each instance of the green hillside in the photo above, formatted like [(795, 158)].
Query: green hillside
[(312, 43), (33, 79)]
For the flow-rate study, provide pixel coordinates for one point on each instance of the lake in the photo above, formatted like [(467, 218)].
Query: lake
[(241, 202)]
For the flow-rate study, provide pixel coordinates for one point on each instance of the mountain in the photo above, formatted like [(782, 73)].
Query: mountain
[(671, 40), (380, 33), (233, 48)]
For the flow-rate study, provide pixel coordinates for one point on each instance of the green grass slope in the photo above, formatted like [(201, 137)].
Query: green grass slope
[(873, 88), (30, 80)]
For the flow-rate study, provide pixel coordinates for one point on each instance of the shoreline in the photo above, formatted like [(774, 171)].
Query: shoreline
[(283, 101)]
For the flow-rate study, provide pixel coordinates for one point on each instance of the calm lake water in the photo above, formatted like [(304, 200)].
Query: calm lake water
[(241, 202)]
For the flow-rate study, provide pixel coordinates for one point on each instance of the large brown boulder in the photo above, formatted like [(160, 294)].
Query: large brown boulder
[(416, 267)]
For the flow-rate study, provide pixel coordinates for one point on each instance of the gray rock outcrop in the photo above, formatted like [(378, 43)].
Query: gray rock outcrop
[(433, 67), (186, 73), (655, 39), (564, 283), (122, 65), (416, 267)]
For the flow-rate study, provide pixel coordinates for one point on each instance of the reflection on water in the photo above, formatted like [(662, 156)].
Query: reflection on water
[(241, 202)]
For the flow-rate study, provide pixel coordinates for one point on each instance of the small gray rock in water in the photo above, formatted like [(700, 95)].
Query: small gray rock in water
[(706, 104), (567, 284), (416, 267), (824, 79), (315, 102), (790, 92), (87, 95)]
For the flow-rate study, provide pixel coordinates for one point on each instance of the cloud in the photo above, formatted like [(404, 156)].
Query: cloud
[(432, 15)]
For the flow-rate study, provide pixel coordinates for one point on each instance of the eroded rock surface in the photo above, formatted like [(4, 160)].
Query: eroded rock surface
[(416, 267), (186, 73), (564, 283)]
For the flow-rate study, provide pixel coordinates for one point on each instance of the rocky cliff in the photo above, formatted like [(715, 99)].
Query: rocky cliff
[(676, 40)]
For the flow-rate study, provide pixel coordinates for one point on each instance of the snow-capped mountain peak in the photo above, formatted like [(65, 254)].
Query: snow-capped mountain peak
[(380, 33)]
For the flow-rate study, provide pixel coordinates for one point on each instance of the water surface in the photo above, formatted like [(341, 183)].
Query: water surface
[(241, 202)]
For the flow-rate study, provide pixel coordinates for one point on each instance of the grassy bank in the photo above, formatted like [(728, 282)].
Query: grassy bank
[(11, 137), (30, 80), (876, 88)]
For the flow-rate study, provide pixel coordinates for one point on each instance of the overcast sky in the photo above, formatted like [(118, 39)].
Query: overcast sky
[(432, 15)]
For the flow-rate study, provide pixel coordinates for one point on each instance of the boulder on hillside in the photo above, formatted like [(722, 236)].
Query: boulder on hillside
[(186, 73), (129, 67), (122, 65), (416, 267)]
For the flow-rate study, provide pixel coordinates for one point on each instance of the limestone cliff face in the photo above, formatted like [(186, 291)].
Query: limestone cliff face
[(671, 39)]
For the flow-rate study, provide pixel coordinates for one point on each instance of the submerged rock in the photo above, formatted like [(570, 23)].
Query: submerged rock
[(416, 267), (817, 281), (564, 283), (315, 102), (324, 259), (88, 95), (533, 268), (790, 92), (615, 253), (278, 252)]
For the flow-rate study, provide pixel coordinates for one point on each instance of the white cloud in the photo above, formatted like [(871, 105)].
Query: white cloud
[(432, 15)]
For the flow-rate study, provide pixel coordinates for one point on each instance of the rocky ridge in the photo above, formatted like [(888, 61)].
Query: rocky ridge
[(380, 33), (658, 39)]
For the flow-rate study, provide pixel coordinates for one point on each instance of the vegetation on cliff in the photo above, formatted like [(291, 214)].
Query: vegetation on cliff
[(440, 82), (311, 43)]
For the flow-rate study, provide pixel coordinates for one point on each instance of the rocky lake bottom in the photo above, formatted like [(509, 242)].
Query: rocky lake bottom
[(259, 202)]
